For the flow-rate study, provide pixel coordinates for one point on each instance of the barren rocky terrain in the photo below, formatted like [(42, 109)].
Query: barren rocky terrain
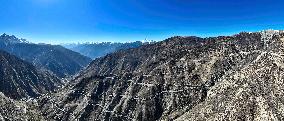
[(182, 78)]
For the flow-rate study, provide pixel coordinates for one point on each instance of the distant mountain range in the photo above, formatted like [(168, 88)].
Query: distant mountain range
[(57, 59), (95, 50)]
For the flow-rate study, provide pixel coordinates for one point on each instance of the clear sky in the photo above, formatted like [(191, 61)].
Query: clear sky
[(67, 21)]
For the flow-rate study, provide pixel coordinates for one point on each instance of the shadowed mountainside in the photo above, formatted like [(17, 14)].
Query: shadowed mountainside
[(57, 59), (19, 79)]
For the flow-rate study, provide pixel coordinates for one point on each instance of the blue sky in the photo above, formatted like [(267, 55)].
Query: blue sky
[(67, 21)]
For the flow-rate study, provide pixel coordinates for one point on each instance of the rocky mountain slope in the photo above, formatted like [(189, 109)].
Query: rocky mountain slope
[(182, 78), (95, 50), (57, 59), (254, 91), (11, 110), (19, 79)]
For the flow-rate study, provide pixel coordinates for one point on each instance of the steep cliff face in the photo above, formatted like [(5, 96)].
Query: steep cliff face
[(180, 78), (19, 79)]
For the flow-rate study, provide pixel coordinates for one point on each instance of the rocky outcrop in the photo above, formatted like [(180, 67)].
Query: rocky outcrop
[(182, 78)]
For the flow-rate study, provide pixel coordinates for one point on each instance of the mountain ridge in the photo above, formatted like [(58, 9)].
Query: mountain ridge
[(20, 79), (95, 50), (161, 81), (57, 59)]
